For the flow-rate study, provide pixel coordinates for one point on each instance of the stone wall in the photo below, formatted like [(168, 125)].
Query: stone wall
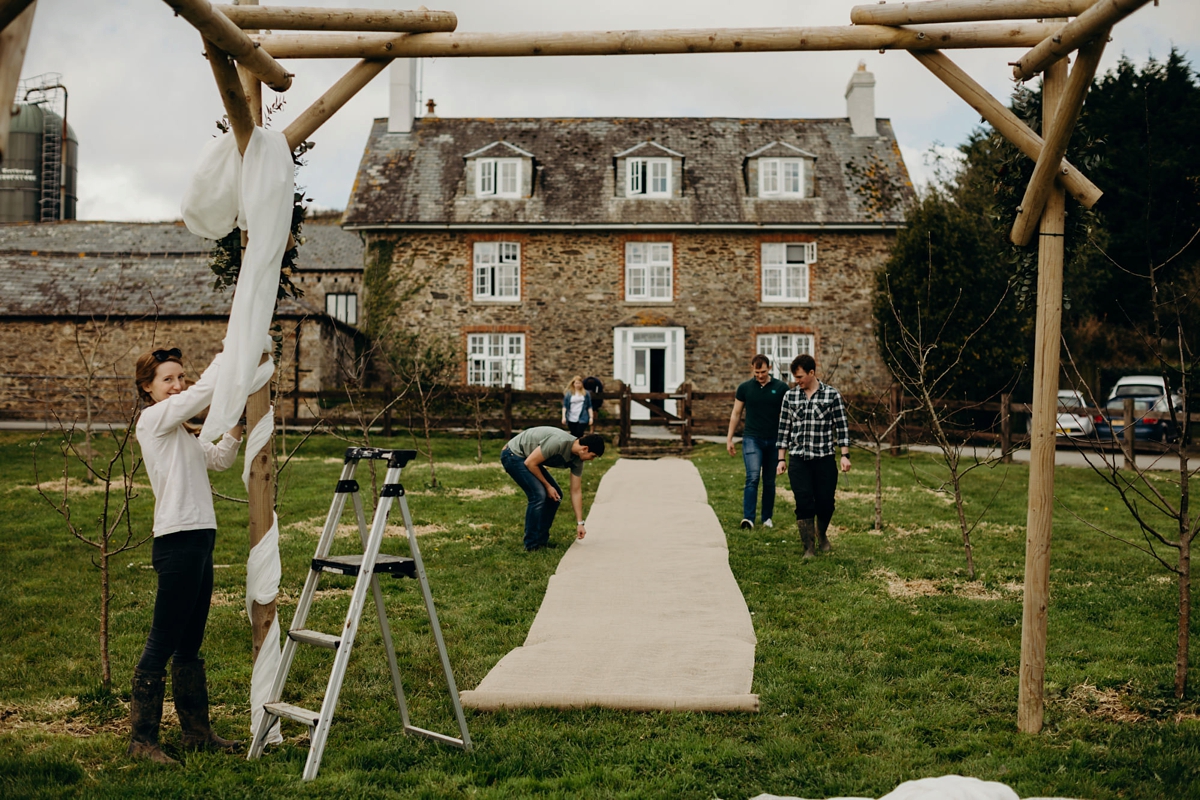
[(572, 296)]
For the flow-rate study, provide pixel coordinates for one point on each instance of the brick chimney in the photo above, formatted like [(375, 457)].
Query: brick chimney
[(860, 101), (402, 107)]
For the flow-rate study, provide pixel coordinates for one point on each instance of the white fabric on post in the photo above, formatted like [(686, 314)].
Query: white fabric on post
[(255, 193), (263, 571)]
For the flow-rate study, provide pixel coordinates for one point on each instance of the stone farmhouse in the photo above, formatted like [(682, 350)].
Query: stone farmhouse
[(79, 301), (653, 251)]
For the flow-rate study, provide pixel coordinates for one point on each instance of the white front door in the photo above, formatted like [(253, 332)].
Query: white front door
[(649, 360)]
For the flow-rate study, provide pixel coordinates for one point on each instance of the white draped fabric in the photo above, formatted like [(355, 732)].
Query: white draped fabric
[(255, 193)]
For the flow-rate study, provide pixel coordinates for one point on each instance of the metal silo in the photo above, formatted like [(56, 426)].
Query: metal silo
[(38, 178)]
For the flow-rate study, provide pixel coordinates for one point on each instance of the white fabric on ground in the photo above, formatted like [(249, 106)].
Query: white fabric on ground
[(946, 787), (255, 193), (643, 614)]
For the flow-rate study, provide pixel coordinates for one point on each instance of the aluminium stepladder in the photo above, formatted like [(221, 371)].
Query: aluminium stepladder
[(365, 567)]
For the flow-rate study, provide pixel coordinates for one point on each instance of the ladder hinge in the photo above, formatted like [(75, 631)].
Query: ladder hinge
[(392, 490), (346, 487)]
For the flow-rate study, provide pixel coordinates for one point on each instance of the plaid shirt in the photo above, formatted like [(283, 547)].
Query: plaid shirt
[(810, 426)]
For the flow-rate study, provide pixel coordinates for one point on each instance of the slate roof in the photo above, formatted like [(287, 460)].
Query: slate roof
[(131, 269), (417, 178)]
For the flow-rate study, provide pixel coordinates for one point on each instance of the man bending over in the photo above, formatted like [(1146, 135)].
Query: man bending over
[(525, 459)]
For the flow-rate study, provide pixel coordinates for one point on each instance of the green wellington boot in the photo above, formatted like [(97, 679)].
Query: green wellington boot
[(145, 716), (190, 685), (808, 536)]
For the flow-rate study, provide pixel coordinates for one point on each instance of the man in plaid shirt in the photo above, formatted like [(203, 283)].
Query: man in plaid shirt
[(811, 423)]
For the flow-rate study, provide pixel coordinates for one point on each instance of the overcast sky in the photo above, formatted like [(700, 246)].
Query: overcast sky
[(143, 102)]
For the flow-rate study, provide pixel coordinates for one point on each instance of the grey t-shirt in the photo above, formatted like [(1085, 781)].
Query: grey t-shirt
[(555, 443)]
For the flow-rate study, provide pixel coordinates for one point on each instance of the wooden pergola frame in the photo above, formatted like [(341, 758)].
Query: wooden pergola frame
[(242, 59)]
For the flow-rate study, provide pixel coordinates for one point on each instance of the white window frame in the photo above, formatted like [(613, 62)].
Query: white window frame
[(649, 272), (342, 306), (498, 177), (648, 177), (781, 177), (494, 359), (781, 348), (785, 271), (496, 275)]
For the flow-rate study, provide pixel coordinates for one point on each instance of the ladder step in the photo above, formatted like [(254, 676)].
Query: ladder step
[(351, 565), (296, 713), (316, 638)]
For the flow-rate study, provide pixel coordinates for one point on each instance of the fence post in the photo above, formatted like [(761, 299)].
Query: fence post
[(508, 425), (1006, 428), (387, 412), (895, 401), (687, 414), (1130, 436), (623, 437)]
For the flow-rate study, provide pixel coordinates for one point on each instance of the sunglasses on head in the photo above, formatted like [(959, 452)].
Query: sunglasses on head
[(166, 355)]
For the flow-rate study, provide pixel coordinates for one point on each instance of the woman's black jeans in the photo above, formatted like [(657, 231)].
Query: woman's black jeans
[(184, 563)]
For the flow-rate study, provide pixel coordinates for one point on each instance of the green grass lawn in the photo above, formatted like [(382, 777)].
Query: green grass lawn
[(876, 664)]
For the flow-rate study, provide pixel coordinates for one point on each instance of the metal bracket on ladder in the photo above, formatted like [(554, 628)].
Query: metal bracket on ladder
[(364, 567)]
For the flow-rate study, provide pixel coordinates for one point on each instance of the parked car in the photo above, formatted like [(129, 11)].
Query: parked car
[(1070, 423), (1149, 393)]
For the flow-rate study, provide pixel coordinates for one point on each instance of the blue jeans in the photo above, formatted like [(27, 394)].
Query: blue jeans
[(539, 514), (760, 456)]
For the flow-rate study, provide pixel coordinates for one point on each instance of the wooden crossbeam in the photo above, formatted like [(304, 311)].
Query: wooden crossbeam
[(1065, 117), (11, 9), (216, 28), (233, 95), (327, 104), (1092, 23), (927, 11), (289, 18), (14, 38), (1006, 122), (604, 43)]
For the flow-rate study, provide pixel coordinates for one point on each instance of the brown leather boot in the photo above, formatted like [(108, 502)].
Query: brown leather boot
[(822, 539), (145, 716), (807, 536), (190, 685)]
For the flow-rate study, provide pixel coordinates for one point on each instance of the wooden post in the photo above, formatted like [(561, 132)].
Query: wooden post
[(387, 409), (327, 104), (1006, 122), (283, 18), (216, 27), (1030, 702), (508, 423), (611, 43), (1006, 428), (1129, 436), (686, 415), (623, 430), (262, 505), (964, 11), (1049, 163), (251, 85), (11, 9), (14, 38), (233, 96), (1091, 23)]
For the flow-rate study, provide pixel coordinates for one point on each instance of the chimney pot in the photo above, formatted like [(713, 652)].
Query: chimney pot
[(402, 105)]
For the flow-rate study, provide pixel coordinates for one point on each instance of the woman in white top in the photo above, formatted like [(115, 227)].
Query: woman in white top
[(578, 414), (185, 524)]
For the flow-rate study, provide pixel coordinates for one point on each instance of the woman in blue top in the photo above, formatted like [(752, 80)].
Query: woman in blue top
[(578, 414)]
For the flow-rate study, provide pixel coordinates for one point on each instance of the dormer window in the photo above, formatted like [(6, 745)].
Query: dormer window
[(648, 177), (498, 177), (781, 177)]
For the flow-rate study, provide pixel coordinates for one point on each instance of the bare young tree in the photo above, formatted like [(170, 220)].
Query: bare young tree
[(874, 413), (915, 368)]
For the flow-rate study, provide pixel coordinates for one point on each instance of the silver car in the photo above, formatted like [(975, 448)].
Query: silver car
[(1070, 423)]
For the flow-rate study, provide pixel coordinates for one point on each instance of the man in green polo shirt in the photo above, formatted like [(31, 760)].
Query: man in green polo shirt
[(525, 459), (761, 397)]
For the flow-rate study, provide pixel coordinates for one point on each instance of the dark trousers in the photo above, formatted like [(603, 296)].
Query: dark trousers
[(814, 483), (539, 513), (184, 563), (577, 429)]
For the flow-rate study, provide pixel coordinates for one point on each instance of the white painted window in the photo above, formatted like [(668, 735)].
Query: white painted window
[(495, 359), (648, 271), (648, 177), (497, 271), (498, 177), (342, 306), (781, 177), (781, 348), (785, 271)]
